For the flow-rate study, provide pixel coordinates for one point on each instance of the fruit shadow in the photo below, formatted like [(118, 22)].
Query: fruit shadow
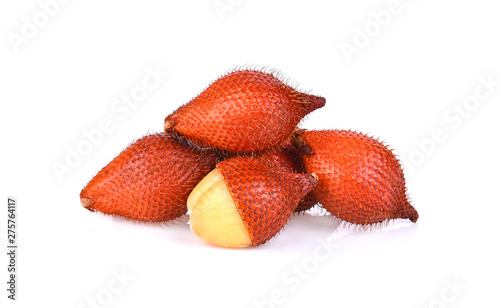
[(302, 231), (175, 231), (307, 231)]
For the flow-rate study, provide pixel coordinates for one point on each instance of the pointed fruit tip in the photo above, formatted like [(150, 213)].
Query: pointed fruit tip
[(319, 101), (299, 143), (306, 182), (86, 202), (414, 216), (412, 213), (316, 102), (168, 124), (409, 212)]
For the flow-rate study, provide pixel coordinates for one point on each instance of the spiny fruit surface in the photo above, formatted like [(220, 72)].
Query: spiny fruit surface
[(287, 157), (263, 194), (244, 111), (360, 179), (150, 180)]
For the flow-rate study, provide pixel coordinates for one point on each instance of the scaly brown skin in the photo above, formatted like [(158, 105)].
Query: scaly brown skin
[(242, 112), (265, 194), (360, 179), (287, 158), (150, 180)]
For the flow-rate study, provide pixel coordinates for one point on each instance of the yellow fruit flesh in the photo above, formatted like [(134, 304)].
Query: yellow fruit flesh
[(213, 215)]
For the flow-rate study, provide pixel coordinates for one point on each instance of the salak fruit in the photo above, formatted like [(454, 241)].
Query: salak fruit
[(360, 179), (242, 112), (150, 180), (287, 157), (245, 201)]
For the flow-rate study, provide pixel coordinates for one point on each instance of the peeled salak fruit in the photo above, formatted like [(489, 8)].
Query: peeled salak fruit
[(150, 180), (360, 179), (245, 201), (242, 112)]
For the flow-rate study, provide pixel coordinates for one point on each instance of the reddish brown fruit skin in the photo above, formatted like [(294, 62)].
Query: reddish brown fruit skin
[(150, 180), (360, 179), (287, 158), (307, 203), (242, 112), (265, 195)]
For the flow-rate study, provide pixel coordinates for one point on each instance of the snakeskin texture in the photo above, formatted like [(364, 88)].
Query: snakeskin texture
[(287, 157), (242, 112), (150, 180), (360, 179), (265, 194)]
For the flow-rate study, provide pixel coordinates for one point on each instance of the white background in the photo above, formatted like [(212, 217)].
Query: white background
[(406, 84)]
